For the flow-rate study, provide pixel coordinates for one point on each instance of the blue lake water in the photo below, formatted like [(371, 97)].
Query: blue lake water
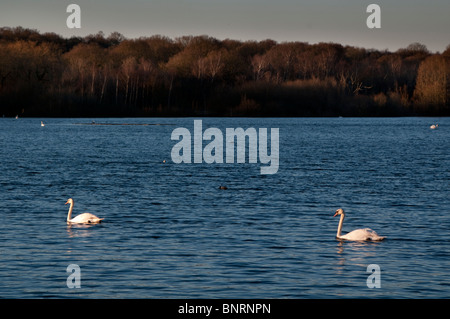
[(170, 232)]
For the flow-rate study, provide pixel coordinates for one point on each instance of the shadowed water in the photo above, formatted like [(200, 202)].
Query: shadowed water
[(170, 232)]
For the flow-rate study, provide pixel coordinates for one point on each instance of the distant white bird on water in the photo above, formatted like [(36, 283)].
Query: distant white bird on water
[(434, 126), (42, 123), (358, 234), (86, 218)]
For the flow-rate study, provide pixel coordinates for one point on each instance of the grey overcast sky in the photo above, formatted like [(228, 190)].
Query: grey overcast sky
[(340, 21)]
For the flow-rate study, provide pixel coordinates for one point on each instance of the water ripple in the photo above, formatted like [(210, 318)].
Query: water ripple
[(170, 232)]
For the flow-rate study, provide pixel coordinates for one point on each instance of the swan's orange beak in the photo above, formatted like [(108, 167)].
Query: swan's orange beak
[(335, 214), (66, 203)]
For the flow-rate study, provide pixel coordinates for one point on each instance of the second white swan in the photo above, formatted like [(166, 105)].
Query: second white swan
[(85, 218), (358, 234)]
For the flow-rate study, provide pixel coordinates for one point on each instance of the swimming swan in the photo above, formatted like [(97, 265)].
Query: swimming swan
[(358, 234), (85, 218)]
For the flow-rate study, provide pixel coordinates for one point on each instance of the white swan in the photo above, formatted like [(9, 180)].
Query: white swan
[(85, 218), (358, 234), (434, 126), (42, 123)]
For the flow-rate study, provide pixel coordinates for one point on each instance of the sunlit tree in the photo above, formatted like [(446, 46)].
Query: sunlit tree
[(431, 87)]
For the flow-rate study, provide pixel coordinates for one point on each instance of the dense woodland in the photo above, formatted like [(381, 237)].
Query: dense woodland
[(97, 75)]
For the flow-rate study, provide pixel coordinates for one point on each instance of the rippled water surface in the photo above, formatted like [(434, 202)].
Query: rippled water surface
[(170, 232)]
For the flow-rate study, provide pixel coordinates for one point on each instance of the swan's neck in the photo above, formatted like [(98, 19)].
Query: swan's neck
[(341, 221), (69, 215)]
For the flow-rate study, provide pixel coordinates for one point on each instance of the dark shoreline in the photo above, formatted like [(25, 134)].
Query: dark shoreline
[(46, 75)]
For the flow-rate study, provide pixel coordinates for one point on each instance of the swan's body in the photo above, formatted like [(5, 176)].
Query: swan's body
[(86, 218), (358, 234)]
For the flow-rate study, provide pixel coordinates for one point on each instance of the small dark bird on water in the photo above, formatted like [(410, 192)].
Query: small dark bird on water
[(223, 187)]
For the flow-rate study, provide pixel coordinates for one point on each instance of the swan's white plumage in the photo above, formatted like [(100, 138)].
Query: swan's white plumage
[(85, 218), (362, 234), (358, 234)]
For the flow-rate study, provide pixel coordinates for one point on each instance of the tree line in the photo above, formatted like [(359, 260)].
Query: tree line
[(97, 75)]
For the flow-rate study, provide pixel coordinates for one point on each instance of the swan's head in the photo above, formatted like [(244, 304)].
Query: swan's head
[(69, 201), (340, 211)]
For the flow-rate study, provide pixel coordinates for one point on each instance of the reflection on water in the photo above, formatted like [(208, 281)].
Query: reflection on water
[(79, 230), (365, 247), (356, 252)]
